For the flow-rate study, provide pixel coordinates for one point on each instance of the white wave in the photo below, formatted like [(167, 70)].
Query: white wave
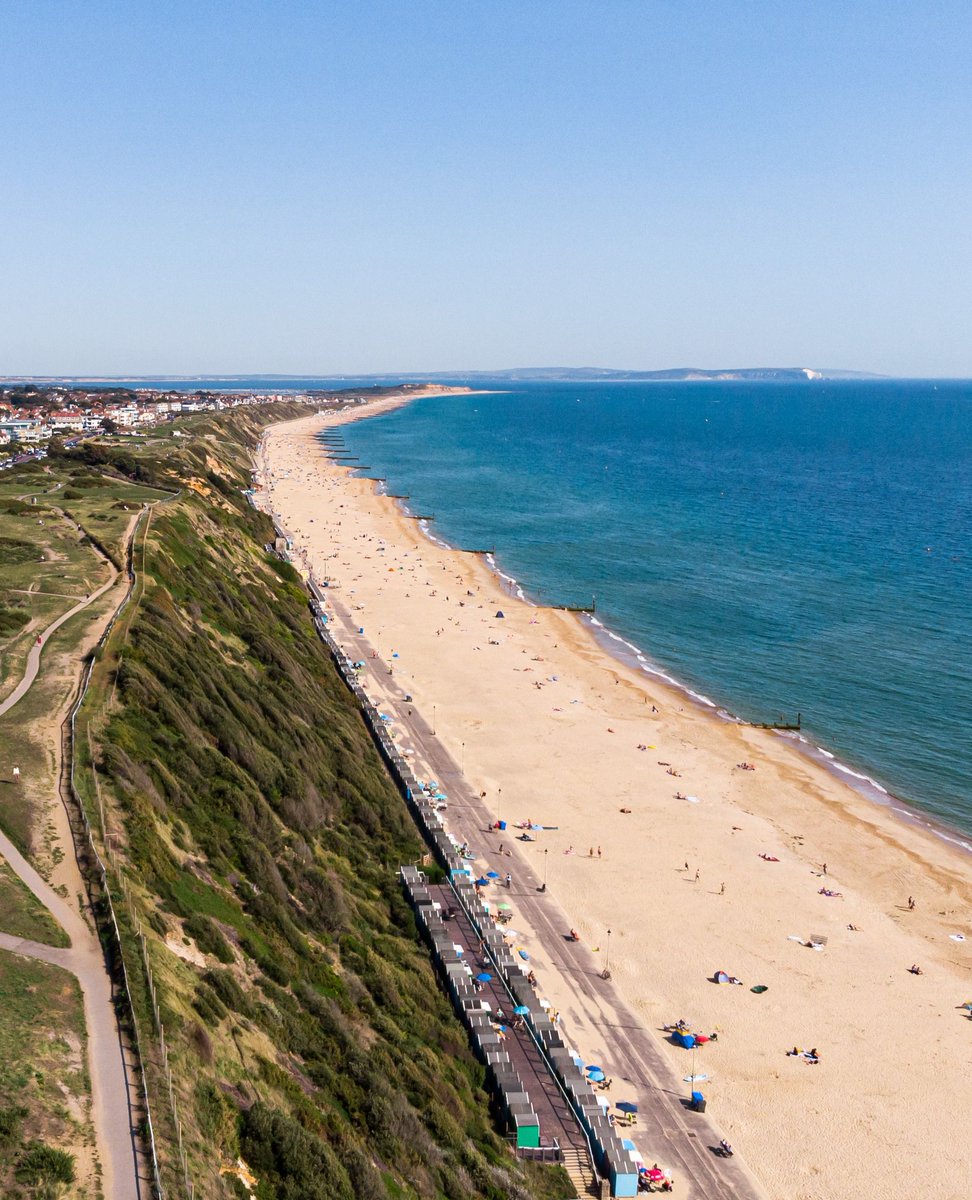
[(846, 770), (649, 668), (509, 580)]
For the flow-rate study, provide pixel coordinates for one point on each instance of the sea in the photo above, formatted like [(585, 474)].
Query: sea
[(774, 549), (771, 548)]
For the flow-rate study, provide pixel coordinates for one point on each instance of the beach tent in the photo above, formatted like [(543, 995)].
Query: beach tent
[(500, 613), (721, 977)]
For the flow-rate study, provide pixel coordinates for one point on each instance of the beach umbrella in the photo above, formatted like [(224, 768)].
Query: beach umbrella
[(481, 882), (521, 1010), (483, 977), (626, 1106), (595, 1076), (492, 875), (593, 1067)]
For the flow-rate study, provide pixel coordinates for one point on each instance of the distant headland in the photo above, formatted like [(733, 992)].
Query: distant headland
[(511, 374)]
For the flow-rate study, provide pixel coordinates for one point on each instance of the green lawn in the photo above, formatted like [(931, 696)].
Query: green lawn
[(23, 915), (44, 1086), (45, 568)]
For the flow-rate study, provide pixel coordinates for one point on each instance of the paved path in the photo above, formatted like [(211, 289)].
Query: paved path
[(34, 654), (111, 1108), (112, 1091), (678, 1137)]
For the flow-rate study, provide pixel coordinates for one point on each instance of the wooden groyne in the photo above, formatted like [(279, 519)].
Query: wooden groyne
[(786, 726), (580, 608)]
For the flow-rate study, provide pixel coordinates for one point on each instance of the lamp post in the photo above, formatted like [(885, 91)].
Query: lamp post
[(433, 720), (606, 973), (462, 759), (543, 886)]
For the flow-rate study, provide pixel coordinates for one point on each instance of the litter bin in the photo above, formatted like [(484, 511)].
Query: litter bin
[(698, 1102)]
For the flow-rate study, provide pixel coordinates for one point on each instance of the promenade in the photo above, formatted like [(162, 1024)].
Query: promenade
[(596, 1020)]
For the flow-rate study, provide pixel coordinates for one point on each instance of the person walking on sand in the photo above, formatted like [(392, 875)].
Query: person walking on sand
[(509, 879), (722, 889), (911, 904), (696, 874)]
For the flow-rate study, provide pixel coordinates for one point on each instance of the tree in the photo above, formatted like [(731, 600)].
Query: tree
[(108, 425)]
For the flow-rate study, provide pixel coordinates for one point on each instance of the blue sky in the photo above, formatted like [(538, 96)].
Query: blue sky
[(318, 187)]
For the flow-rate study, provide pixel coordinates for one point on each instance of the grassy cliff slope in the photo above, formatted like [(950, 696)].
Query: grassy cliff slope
[(258, 837)]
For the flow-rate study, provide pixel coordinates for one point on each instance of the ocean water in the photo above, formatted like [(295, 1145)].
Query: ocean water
[(774, 548)]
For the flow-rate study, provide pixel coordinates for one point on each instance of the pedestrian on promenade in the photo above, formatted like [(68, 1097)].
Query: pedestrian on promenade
[(509, 879)]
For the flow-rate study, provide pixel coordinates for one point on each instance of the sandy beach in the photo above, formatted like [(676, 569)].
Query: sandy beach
[(693, 862)]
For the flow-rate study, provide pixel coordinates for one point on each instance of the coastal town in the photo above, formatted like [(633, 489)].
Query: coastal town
[(33, 413)]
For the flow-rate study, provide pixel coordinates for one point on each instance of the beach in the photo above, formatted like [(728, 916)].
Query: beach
[(781, 876)]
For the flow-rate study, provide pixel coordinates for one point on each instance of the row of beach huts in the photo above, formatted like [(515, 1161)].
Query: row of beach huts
[(615, 1165)]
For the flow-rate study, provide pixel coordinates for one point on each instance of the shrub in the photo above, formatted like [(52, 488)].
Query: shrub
[(208, 937), (40, 1163)]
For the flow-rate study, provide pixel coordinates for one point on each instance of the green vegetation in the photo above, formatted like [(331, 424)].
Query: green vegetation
[(44, 1092), (23, 915), (261, 841)]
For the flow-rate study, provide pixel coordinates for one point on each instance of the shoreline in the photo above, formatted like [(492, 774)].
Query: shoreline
[(572, 767), (615, 644)]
